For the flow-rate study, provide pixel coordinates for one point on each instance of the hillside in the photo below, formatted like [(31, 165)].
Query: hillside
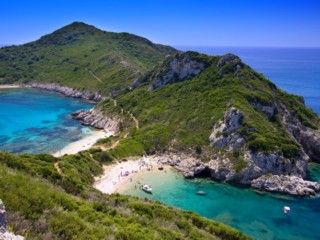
[(235, 124), (82, 57), (43, 203)]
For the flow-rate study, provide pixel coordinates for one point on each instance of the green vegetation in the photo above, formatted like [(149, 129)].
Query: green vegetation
[(82, 57), (40, 205), (181, 115)]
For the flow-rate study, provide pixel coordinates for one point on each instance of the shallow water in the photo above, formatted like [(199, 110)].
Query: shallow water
[(34, 121), (258, 214)]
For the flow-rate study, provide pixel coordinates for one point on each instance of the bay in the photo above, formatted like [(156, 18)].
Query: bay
[(35, 121)]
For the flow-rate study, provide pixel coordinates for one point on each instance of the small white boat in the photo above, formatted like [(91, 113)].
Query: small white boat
[(146, 188), (286, 209)]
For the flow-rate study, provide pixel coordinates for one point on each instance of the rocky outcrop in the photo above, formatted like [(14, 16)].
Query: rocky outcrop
[(229, 64), (67, 91), (181, 68), (255, 165), (224, 133), (4, 234), (269, 110), (286, 184), (96, 118), (266, 172), (307, 137)]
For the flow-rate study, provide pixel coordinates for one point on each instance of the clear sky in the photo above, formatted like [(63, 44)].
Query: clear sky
[(175, 22)]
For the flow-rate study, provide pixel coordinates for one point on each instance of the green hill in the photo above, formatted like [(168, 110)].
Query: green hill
[(219, 110), (82, 57)]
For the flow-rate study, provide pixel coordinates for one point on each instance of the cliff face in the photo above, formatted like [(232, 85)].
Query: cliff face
[(4, 234), (258, 167), (181, 67), (96, 118)]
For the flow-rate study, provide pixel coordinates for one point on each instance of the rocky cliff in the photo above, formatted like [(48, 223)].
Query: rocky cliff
[(96, 118), (67, 91), (4, 234), (181, 67)]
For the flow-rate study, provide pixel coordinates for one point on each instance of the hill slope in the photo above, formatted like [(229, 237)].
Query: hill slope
[(82, 57), (42, 203), (238, 124)]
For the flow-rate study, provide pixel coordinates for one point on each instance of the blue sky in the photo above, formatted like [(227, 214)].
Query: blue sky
[(180, 23)]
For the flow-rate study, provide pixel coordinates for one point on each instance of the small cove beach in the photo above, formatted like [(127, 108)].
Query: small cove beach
[(118, 176)]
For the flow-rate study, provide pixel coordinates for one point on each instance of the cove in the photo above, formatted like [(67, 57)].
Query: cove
[(257, 214), (36, 121)]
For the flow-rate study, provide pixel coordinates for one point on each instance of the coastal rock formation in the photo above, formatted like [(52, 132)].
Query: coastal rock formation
[(223, 134), (286, 184), (67, 91), (96, 118), (307, 137), (4, 234), (262, 172)]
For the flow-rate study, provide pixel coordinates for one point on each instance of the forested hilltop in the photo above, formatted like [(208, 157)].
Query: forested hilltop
[(82, 57)]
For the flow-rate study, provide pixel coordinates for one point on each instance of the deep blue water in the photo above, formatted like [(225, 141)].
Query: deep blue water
[(295, 70), (34, 121)]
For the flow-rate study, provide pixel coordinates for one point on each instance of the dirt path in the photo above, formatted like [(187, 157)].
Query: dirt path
[(56, 166), (93, 75), (135, 120)]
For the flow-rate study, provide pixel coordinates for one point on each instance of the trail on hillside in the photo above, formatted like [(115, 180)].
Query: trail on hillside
[(116, 143), (56, 166), (93, 75)]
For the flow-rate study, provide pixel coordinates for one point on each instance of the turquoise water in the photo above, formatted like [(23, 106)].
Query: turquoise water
[(34, 121), (258, 214)]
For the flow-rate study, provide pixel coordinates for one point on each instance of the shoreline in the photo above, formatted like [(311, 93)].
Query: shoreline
[(117, 175), (82, 144), (9, 86)]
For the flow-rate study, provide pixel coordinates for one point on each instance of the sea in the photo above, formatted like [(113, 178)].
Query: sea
[(36, 121), (258, 214)]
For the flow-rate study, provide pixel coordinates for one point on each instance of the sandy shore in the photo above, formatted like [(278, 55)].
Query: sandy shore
[(82, 144), (5, 86), (117, 176)]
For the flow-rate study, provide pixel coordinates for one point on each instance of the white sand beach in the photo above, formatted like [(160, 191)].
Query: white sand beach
[(6, 86), (117, 175), (82, 144)]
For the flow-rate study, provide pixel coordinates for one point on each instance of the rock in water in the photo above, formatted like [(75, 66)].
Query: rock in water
[(286, 184)]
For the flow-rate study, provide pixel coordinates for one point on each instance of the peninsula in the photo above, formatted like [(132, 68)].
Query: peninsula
[(207, 116)]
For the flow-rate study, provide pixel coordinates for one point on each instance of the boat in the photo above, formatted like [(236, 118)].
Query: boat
[(201, 193), (286, 209), (147, 188), (160, 167)]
